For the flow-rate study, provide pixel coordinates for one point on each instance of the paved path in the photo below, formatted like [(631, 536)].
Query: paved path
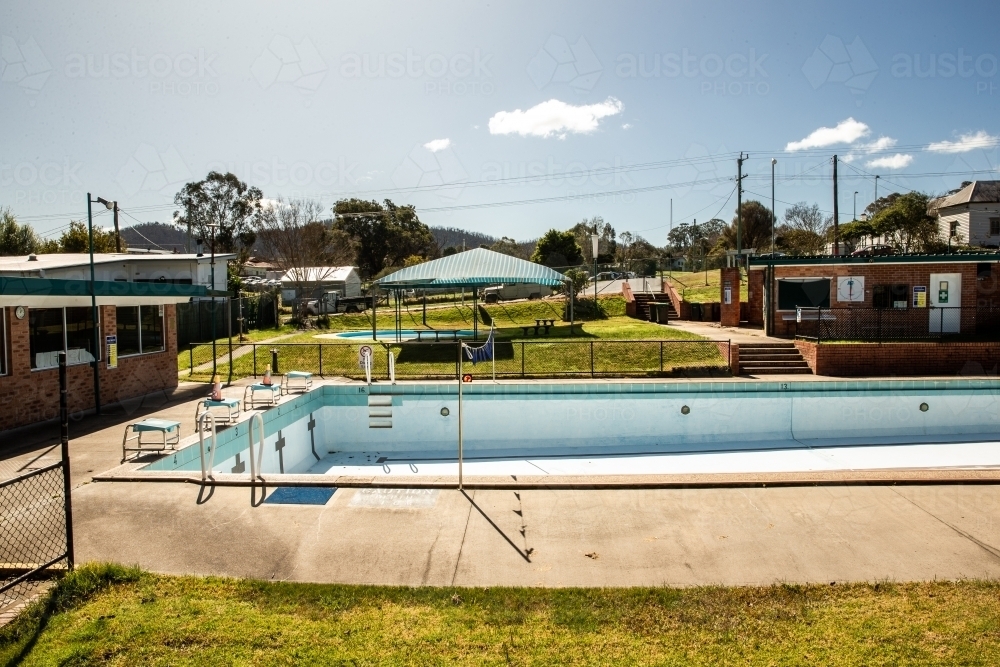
[(240, 351), (550, 538)]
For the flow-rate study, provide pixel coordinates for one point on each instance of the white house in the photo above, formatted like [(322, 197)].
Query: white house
[(179, 269), (972, 214), (303, 282)]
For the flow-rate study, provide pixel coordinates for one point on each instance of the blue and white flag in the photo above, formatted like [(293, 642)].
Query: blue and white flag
[(483, 352)]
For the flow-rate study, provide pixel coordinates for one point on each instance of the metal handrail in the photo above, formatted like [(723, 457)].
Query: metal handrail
[(205, 473), (392, 368), (255, 462), (366, 363)]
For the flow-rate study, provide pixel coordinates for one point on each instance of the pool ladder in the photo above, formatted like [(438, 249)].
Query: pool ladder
[(379, 411)]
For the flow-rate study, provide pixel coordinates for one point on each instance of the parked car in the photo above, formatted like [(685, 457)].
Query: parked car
[(770, 255), (874, 251)]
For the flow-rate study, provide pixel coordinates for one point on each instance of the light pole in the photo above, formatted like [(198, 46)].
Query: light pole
[(875, 203), (595, 240), (774, 218), (211, 280), (855, 205), (93, 297)]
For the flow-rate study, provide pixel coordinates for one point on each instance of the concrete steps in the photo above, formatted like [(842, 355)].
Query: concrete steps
[(643, 299), (772, 359)]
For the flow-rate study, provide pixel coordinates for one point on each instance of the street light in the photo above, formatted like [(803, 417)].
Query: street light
[(211, 280), (774, 218), (595, 240), (93, 297), (855, 205)]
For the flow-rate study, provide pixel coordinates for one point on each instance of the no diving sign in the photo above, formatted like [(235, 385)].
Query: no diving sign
[(364, 354)]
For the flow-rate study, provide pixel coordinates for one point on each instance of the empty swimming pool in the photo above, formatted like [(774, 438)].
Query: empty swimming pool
[(618, 428)]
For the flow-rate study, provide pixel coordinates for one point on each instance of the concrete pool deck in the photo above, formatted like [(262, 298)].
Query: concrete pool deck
[(850, 526)]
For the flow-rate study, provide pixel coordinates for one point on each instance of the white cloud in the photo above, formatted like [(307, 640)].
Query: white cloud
[(897, 161), (626, 126), (880, 144), (965, 143), (554, 117), (846, 132), (437, 145)]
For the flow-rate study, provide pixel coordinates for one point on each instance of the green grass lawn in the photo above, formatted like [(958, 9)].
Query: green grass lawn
[(202, 352), (112, 615), (691, 286), (588, 350)]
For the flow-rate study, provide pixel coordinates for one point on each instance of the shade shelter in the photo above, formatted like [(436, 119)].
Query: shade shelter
[(473, 269)]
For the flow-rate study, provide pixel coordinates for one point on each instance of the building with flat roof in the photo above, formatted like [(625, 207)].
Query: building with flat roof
[(45, 309)]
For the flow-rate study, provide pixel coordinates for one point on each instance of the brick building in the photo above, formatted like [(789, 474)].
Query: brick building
[(893, 315), (135, 355)]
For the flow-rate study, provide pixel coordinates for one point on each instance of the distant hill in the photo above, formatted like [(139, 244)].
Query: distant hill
[(452, 236), (156, 236)]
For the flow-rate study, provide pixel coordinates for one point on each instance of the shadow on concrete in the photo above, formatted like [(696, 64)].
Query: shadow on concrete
[(523, 553), (44, 434)]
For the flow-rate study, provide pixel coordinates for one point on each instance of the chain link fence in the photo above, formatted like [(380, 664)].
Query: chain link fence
[(514, 359), (34, 542), (883, 325)]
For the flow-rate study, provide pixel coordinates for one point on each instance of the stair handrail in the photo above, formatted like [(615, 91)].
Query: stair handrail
[(206, 416), (255, 462), (366, 363), (392, 368)]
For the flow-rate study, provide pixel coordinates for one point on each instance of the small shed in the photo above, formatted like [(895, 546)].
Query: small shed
[(306, 281), (473, 269)]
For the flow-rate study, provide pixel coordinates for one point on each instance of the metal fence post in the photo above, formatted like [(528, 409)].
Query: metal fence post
[(592, 358), (190, 359), (321, 360), (254, 360), (522, 359), (661, 356), (64, 446)]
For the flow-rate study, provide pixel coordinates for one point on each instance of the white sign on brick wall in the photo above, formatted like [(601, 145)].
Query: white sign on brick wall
[(851, 288)]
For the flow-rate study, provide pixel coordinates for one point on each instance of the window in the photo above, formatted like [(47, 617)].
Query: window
[(807, 293), (54, 330), (140, 330), (953, 228), (994, 226), (890, 296)]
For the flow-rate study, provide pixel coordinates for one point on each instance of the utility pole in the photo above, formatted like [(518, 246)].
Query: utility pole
[(739, 207), (836, 213), (118, 236)]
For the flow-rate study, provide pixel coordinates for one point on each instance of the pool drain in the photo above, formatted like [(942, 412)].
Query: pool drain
[(924, 407), (685, 410)]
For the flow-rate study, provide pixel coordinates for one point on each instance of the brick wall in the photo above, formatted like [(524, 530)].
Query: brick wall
[(731, 312), (900, 359), (755, 297), (974, 292), (28, 396)]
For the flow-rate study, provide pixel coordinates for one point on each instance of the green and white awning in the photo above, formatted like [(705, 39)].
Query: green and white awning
[(53, 293), (473, 268)]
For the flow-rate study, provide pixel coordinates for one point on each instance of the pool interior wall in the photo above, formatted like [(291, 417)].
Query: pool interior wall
[(512, 420)]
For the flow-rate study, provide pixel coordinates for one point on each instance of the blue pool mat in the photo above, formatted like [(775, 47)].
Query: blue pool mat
[(299, 495)]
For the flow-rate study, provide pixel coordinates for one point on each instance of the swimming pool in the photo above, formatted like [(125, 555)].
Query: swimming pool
[(609, 428), (405, 334)]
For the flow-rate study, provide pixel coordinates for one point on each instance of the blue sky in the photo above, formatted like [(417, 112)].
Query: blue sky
[(567, 110)]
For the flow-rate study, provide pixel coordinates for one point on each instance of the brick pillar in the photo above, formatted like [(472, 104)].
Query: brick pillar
[(731, 310), (755, 296)]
